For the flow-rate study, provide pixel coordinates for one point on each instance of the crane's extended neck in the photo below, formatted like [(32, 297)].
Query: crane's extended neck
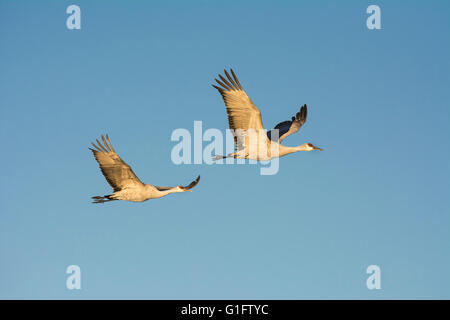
[(172, 190), (152, 192), (288, 150)]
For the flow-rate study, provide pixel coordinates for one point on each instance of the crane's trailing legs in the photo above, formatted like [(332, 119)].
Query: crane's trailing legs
[(100, 199)]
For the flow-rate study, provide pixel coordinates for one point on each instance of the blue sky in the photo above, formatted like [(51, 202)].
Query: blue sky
[(378, 103)]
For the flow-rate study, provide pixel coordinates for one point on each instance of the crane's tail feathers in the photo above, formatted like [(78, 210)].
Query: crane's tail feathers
[(99, 199)]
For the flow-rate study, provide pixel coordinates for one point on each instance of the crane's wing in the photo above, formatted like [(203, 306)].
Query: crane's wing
[(242, 113), (118, 174), (188, 187), (287, 128)]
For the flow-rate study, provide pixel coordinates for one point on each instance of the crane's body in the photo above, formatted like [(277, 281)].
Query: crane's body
[(126, 185), (141, 193), (244, 118), (266, 150)]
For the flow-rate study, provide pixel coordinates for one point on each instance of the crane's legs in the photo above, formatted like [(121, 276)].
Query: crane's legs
[(98, 199)]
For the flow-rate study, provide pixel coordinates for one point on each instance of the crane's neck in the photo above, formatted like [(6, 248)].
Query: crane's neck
[(153, 192), (169, 191), (287, 150)]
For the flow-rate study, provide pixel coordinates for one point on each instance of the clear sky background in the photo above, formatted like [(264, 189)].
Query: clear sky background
[(378, 103)]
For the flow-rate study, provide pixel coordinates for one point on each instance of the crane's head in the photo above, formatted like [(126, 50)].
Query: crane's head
[(311, 147)]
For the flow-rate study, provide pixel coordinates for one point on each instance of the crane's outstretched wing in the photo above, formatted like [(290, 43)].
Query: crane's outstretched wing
[(287, 128), (118, 174), (188, 187), (242, 113)]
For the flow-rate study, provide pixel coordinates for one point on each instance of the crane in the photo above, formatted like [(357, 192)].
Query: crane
[(244, 118), (126, 185)]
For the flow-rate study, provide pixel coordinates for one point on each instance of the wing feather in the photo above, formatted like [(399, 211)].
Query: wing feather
[(243, 115), (118, 174), (289, 127), (192, 184), (189, 186)]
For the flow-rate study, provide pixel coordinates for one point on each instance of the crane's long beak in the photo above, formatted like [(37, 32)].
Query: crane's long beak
[(320, 149)]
